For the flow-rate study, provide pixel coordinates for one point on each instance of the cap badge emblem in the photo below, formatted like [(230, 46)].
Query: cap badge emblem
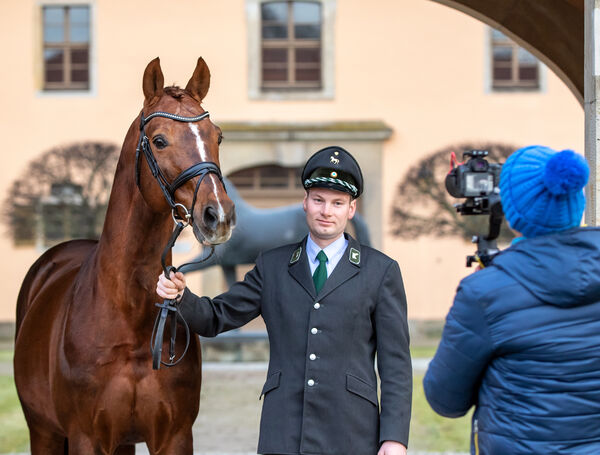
[(334, 174), (334, 160)]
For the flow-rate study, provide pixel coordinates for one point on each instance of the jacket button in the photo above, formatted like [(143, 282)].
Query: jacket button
[(310, 383), (317, 306), (314, 331), (312, 357)]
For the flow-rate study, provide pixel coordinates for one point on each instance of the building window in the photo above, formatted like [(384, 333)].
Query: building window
[(291, 52), (269, 186), (66, 32), (512, 66), (291, 45), (63, 194), (267, 178), (64, 215)]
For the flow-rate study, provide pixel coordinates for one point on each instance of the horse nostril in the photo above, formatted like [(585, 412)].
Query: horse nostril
[(210, 218)]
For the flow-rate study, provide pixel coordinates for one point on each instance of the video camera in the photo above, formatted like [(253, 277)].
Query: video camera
[(478, 181)]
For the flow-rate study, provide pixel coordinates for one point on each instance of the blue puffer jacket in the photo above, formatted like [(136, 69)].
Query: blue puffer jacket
[(522, 343)]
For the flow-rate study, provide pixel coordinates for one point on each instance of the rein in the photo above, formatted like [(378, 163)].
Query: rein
[(169, 307)]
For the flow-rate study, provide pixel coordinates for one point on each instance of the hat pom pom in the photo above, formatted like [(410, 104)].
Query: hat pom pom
[(566, 172)]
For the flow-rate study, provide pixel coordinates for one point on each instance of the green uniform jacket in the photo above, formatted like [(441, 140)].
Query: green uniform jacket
[(320, 395)]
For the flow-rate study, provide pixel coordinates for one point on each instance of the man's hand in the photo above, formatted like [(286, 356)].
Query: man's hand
[(392, 448), (170, 288)]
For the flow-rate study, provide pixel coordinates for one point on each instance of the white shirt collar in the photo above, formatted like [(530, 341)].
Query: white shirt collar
[(333, 250)]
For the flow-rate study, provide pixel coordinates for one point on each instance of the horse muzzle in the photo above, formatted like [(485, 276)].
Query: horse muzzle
[(214, 222)]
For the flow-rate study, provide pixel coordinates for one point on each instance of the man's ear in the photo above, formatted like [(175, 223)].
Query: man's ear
[(352, 209), (305, 200)]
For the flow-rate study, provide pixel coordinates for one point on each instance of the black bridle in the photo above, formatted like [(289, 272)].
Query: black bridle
[(201, 169)]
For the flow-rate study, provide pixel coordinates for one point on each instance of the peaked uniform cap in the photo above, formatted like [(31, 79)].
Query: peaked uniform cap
[(334, 168)]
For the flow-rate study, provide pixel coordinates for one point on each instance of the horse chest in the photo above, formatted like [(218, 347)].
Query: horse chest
[(125, 394)]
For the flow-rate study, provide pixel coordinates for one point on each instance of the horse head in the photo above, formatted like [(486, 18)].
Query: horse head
[(181, 149)]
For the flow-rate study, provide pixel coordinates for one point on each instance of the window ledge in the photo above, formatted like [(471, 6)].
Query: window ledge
[(88, 93), (509, 89), (319, 131), (291, 94)]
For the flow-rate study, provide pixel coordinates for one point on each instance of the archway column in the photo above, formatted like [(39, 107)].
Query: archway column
[(592, 109)]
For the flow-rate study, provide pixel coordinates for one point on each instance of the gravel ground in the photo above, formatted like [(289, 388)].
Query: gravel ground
[(230, 425), (229, 415)]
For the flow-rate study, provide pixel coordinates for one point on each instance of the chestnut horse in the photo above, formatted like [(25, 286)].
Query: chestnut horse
[(85, 313)]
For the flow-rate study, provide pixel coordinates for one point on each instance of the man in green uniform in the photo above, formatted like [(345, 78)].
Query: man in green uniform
[(329, 305)]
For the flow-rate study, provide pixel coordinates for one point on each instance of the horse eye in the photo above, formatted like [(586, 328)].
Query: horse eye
[(160, 142), (220, 139)]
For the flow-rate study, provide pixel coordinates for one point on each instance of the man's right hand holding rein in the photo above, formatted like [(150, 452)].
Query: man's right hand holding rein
[(171, 288)]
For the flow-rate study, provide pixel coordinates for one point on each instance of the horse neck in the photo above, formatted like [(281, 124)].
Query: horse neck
[(134, 235)]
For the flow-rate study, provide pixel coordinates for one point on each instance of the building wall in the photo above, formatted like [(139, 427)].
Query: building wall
[(417, 66)]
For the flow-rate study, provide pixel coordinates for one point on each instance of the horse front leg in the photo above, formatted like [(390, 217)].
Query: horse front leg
[(81, 443), (43, 442), (180, 443)]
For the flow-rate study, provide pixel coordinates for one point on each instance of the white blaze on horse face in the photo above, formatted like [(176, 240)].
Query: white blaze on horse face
[(213, 178), (220, 206)]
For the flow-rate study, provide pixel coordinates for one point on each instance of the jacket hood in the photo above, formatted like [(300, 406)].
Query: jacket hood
[(561, 269)]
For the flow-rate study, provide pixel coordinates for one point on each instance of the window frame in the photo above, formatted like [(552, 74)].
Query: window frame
[(257, 184), (291, 44), (515, 83), (41, 86), (254, 34)]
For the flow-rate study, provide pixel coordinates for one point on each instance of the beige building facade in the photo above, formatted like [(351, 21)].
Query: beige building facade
[(395, 81)]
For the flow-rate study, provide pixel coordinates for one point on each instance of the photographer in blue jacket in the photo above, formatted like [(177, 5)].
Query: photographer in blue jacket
[(521, 342)]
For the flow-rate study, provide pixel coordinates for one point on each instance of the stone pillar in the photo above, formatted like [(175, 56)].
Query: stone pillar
[(592, 111)]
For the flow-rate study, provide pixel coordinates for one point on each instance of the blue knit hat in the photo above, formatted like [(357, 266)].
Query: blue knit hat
[(541, 190)]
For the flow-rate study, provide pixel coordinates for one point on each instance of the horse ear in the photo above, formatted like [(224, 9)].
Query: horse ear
[(200, 81), (153, 80)]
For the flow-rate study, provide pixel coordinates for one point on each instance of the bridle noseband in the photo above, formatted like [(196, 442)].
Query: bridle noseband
[(201, 169)]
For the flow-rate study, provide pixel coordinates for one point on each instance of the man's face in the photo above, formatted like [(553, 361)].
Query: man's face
[(327, 213)]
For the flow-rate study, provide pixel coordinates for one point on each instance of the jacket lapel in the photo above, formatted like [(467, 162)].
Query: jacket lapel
[(348, 266), (300, 270)]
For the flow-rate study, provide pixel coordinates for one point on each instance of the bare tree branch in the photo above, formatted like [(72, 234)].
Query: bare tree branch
[(423, 206), (84, 168)]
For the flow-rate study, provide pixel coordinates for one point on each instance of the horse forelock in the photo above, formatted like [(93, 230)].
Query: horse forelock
[(184, 99), (175, 91)]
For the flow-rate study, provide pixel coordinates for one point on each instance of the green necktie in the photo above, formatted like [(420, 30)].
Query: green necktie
[(320, 275)]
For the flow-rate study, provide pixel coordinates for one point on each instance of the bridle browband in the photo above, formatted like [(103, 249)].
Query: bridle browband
[(201, 169)]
